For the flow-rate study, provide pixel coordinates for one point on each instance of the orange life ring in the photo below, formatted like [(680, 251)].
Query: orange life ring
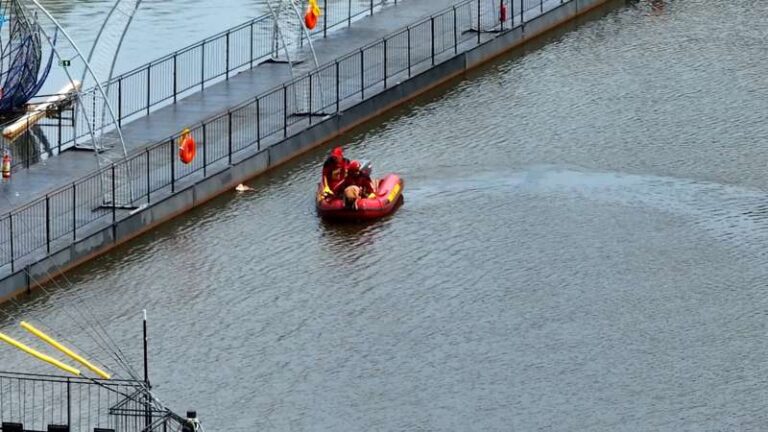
[(187, 148), (310, 19)]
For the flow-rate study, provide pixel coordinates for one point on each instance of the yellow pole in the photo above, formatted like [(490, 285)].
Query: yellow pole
[(39, 355), (49, 340)]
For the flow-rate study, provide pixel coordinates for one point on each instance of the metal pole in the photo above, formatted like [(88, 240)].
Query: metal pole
[(202, 68), (455, 32), (385, 62), (371, 7), (69, 403), (478, 22), (48, 224), (522, 13), (285, 111), (362, 75), (229, 141), (149, 185), (119, 102), (173, 167), (114, 197), (205, 151), (409, 52), (10, 230), (258, 124), (338, 90), (349, 13), (175, 79), (227, 56), (149, 86), (325, 18), (310, 98), (74, 211), (147, 412), (432, 32)]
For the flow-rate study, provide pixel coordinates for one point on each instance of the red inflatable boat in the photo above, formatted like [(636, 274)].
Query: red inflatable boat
[(389, 194)]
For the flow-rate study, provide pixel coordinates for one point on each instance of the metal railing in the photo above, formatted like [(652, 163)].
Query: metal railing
[(72, 212), (186, 71)]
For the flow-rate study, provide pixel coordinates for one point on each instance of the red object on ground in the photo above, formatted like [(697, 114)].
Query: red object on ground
[(389, 194)]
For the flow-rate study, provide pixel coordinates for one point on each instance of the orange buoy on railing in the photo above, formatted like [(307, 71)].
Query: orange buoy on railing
[(6, 166), (186, 147), (312, 14)]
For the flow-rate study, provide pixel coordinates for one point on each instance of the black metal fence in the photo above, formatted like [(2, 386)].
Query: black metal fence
[(182, 73), (61, 217), (36, 401)]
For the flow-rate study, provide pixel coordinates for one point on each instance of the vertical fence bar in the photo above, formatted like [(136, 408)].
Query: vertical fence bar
[(202, 67), (371, 7), (205, 151), (385, 63), (149, 87), (455, 32), (409, 51), (173, 167), (325, 18), (478, 22), (501, 16), (119, 103), (522, 13), (48, 224), (338, 91), (432, 33), (149, 185), (349, 13), (310, 98), (229, 139), (114, 197), (258, 124), (74, 212), (251, 46), (541, 6), (362, 75), (227, 56), (175, 79), (10, 229), (285, 111), (69, 404)]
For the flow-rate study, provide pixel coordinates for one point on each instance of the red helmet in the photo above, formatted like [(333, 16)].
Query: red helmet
[(337, 153), (353, 166)]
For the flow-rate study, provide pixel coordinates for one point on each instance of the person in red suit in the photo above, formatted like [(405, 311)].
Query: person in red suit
[(334, 172)]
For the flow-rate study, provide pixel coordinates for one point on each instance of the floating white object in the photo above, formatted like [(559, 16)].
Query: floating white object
[(37, 112), (242, 188)]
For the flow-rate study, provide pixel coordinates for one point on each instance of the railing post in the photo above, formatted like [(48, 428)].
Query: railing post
[(409, 51), (338, 90), (74, 212), (69, 404), (10, 229), (371, 7), (175, 78), (251, 45), (349, 13), (149, 86), (385, 63), (258, 124), (501, 6), (48, 224), (362, 75), (229, 140), (149, 184), (325, 18), (511, 14), (432, 32), (119, 102), (205, 151), (59, 126), (173, 167), (114, 197), (285, 111), (541, 5), (455, 32), (310, 97), (522, 13), (478, 21), (227, 56), (202, 67)]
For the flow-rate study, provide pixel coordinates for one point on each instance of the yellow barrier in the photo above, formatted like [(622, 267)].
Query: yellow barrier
[(39, 355), (49, 340)]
